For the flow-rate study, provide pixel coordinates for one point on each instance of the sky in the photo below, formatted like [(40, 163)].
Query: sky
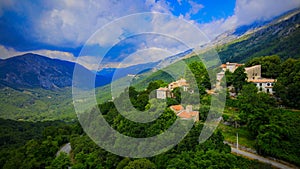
[(63, 28)]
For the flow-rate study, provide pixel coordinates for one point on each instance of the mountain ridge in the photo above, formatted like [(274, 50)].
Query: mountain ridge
[(36, 71)]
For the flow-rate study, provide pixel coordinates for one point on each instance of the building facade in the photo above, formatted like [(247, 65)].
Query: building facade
[(253, 72), (253, 76), (264, 85), (163, 93), (230, 66), (179, 83), (185, 114)]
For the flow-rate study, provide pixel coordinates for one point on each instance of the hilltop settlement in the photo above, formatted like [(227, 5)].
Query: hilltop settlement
[(253, 76)]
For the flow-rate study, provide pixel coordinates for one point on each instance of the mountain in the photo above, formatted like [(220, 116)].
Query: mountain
[(122, 72), (280, 36), (118, 73), (172, 59), (36, 71)]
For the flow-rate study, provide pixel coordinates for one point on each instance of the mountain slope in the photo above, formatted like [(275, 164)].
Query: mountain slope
[(36, 104), (279, 37), (36, 71)]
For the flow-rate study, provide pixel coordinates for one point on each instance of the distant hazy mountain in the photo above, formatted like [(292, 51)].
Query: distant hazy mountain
[(117, 73), (141, 68), (36, 71)]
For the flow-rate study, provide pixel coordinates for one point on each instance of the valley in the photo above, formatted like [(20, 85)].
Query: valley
[(38, 117)]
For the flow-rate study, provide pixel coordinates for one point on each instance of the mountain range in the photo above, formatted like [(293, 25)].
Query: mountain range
[(31, 82), (36, 71)]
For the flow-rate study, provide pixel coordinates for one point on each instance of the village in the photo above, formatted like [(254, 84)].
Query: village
[(253, 76)]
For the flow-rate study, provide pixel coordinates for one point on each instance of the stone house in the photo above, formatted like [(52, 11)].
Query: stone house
[(253, 76), (163, 93), (179, 83), (253, 72), (230, 66), (185, 114), (264, 85)]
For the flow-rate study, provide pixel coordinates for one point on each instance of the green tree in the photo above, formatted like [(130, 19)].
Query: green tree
[(270, 65), (239, 78), (140, 164), (60, 162), (229, 77), (287, 87)]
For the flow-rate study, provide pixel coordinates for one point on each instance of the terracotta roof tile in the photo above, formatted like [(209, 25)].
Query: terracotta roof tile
[(187, 115), (163, 89), (262, 80), (176, 107)]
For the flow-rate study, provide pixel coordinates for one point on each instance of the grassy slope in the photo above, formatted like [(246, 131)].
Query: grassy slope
[(36, 104)]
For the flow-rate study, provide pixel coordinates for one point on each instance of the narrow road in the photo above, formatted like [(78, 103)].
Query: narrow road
[(260, 158), (66, 149)]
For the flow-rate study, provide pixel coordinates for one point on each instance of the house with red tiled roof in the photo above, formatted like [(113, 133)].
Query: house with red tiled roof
[(230, 66), (177, 108), (185, 114)]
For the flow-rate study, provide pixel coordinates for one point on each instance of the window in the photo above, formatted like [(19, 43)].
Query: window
[(268, 84), (260, 84), (268, 91)]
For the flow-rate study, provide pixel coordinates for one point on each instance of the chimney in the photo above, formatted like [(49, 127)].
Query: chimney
[(189, 108)]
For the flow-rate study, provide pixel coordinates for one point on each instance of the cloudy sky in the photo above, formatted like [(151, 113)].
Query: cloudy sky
[(62, 28)]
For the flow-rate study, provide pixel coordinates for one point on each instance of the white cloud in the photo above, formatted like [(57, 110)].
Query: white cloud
[(68, 23), (145, 56), (6, 52), (161, 6), (247, 12), (195, 8)]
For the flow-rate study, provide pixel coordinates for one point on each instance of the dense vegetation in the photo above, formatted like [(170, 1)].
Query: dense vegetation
[(274, 128), (33, 145), (36, 104), (38, 150), (287, 74)]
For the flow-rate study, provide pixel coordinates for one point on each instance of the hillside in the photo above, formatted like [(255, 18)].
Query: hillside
[(36, 104), (36, 71), (279, 37)]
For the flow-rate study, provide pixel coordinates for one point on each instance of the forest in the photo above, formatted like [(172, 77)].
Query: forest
[(271, 121)]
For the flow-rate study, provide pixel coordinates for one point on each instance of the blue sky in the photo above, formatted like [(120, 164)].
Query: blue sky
[(60, 28)]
